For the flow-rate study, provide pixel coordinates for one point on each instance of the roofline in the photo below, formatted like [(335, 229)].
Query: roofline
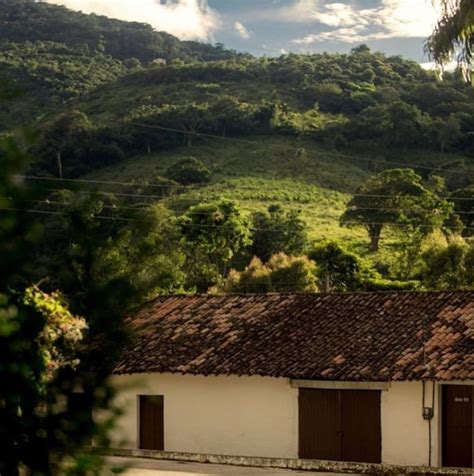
[(319, 293), (309, 379)]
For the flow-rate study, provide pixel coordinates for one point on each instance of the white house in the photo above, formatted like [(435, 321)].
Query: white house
[(365, 377)]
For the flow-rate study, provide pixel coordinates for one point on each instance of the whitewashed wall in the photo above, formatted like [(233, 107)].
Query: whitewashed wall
[(258, 416), (404, 431), (243, 416)]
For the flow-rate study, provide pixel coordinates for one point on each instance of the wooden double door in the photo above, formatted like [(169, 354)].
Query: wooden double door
[(341, 425), (457, 426)]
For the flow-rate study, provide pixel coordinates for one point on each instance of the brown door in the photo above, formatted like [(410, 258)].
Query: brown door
[(151, 422), (341, 425), (319, 424), (361, 427), (457, 426)]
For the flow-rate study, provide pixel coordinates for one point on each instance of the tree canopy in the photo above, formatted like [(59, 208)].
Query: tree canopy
[(396, 197)]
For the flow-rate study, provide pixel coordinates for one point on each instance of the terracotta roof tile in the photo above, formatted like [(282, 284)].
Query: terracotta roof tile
[(359, 336)]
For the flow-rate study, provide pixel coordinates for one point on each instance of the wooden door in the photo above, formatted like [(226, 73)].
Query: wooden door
[(457, 426), (361, 426), (319, 424), (342, 425), (151, 411)]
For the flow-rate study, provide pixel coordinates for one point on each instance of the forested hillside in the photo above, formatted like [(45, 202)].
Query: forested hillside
[(56, 54), (353, 171)]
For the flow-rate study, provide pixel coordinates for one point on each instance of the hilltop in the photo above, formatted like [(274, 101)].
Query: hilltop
[(55, 54)]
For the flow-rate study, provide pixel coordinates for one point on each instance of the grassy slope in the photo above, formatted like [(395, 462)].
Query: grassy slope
[(260, 174)]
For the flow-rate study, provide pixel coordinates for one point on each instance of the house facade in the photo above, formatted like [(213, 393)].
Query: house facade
[(367, 377)]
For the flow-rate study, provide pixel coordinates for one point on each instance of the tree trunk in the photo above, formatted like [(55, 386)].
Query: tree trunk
[(374, 233), (148, 148), (59, 163), (327, 283)]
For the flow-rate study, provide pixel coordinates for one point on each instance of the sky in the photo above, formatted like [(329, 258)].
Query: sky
[(275, 27)]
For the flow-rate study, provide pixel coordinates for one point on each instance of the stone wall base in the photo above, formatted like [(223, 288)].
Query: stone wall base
[(283, 463)]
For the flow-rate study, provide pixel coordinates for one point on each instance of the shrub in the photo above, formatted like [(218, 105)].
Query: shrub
[(189, 171)]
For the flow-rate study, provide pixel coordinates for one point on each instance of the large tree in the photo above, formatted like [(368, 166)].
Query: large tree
[(214, 233), (275, 231), (395, 197)]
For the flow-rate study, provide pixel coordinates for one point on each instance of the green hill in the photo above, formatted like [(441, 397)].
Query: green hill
[(54, 54), (300, 131)]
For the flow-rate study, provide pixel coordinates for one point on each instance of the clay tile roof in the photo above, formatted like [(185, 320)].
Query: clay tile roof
[(360, 336)]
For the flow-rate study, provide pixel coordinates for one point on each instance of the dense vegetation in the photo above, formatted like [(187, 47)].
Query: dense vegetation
[(158, 166), (283, 158)]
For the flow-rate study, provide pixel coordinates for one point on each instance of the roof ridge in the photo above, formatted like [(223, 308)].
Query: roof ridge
[(319, 293)]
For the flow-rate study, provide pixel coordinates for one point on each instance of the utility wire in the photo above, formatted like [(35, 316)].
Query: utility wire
[(181, 187), (221, 227), (328, 153), (107, 182), (140, 195), (180, 213)]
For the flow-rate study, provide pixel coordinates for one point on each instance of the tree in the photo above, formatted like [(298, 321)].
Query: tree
[(453, 33), (463, 200), (282, 273), (276, 231), (448, 264), (45, 348), (140, 246), (58, 133), (292, 273), (188, 171), (147, 253), (183, 121), (338, 269), (363, 48), (213, 235), (447, 131), (395, 197), (255, 278), (232, 115)]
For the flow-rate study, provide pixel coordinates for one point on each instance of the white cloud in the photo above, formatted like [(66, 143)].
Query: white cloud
[(241, 30), (187, 19), (338, 14), (299, 11), (391, 19)]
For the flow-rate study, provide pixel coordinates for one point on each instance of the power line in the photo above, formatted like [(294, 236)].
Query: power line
[(180, 187), (108, 182), (180, 213), (48, 212), (223, 227), (140, 195), (329, 153)]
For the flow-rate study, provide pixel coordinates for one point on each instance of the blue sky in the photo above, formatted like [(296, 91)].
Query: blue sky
[(273, 27)]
